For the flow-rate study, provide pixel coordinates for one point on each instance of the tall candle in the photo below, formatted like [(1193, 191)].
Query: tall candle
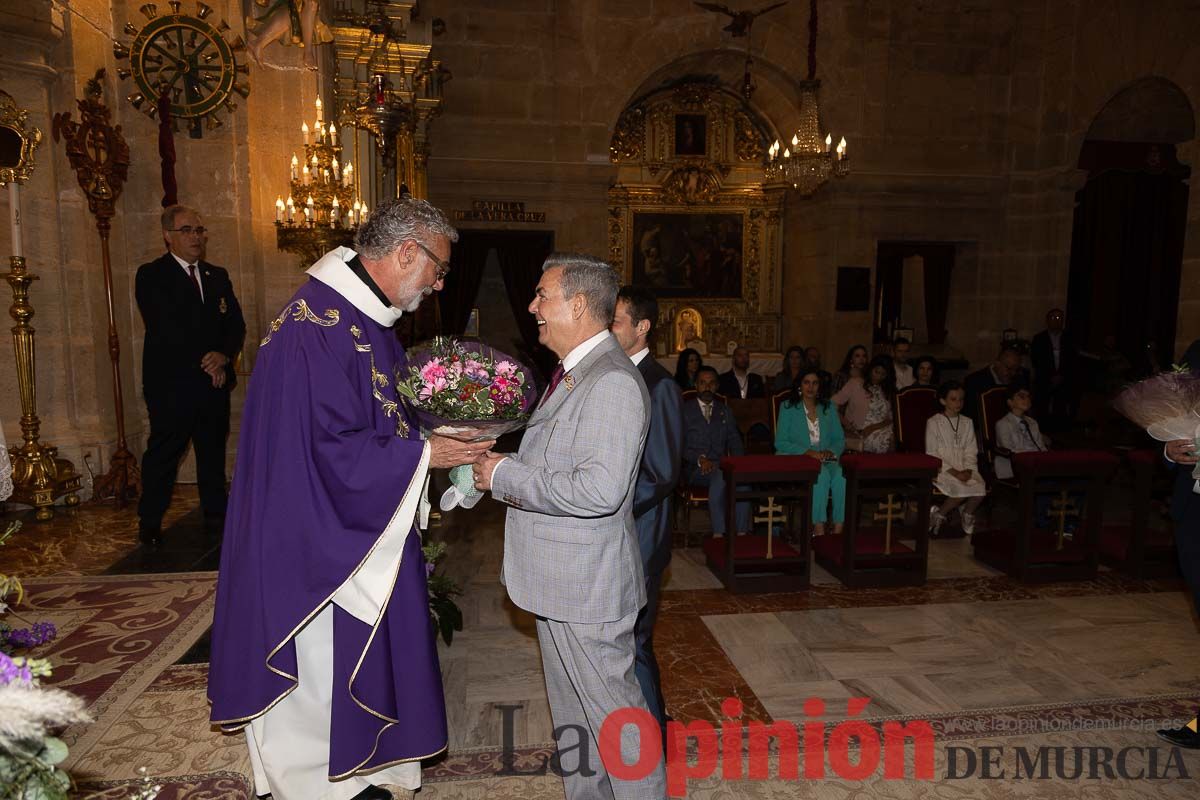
[(291, 209), (320, 115), (295, 164), (304, 130), (279, 209), (348, 175), (14, 211)]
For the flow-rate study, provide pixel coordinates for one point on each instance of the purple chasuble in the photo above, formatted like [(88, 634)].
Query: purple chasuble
[(325, 454)]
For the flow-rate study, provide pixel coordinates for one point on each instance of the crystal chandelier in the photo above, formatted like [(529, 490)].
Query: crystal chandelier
[(809, 162), (323, 207)]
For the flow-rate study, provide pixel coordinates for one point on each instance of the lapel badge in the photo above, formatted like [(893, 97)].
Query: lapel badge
[(569, 382), (222, 306)]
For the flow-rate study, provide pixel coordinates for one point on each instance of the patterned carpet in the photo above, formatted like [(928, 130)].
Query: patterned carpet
[(117, 637)]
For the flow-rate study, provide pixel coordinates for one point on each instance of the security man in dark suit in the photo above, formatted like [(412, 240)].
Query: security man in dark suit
[(658, 474), (1185, 510), (710, 433), (1055, 372), (194, 331)]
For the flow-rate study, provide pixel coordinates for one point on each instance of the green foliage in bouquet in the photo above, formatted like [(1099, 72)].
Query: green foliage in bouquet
[(443, 611)]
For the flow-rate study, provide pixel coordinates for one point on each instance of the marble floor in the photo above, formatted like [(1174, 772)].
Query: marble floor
[(970, 646)]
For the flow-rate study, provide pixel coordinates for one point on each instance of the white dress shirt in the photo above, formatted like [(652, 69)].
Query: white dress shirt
[(637, 357), (904, 376)]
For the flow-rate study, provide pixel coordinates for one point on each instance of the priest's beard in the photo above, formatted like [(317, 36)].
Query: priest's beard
[(416, 301)]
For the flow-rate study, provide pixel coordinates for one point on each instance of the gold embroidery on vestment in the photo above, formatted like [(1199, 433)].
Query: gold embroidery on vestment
[(299, 310)]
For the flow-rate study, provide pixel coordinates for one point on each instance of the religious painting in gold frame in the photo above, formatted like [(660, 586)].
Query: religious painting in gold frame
[(688, 254), (717, 249)]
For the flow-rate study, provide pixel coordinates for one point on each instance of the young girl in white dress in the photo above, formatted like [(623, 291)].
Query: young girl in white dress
[(950, 436)]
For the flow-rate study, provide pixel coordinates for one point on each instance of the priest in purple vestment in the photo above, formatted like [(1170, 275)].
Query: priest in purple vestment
[(323, 651)]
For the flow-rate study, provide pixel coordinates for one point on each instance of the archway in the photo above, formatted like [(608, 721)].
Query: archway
[(1129, 224)]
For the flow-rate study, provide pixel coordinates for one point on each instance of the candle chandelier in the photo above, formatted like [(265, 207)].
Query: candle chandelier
[(386, 86), (323, 207), (810, 160)]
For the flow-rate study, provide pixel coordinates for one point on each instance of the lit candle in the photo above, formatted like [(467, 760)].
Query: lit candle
[(828, 141), (309, 210), (362, 214), (324, 175), (279, 209), (320, 113), (14, 211), (295, 165), (787, 153), (795, 140), (307, 177), (304, 130), (337, 170), (291, 209), (841, 149), (332, 133), (334, 213), (348, 175)]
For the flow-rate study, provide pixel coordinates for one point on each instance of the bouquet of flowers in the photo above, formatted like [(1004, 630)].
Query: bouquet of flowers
[(466, 389), (29, 754), (1167, 405)]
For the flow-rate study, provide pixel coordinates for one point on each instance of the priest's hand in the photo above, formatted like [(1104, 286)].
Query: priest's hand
[(445, 452), (1182, 451), (484, 468)]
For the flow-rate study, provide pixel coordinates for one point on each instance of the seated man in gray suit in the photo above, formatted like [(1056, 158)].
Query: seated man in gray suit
[(570, 549), (633, 325), (709, 433)]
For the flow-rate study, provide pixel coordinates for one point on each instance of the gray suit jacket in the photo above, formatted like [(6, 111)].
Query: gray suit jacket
[(570, 549)]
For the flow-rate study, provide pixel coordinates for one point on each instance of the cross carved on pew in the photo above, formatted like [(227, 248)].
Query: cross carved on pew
[(888, 512), (1062, 507), (771, 508)]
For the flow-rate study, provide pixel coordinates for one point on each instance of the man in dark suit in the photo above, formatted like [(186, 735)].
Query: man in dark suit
[(1185, 510), (658, 474), (194, 331), (1004, 370), (739, 382), (1055, 370), (710, 433)]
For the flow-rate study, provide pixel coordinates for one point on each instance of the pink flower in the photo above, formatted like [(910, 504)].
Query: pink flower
[(506, 369)]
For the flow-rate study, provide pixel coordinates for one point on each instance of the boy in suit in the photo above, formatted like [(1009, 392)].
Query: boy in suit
[(710, 433)]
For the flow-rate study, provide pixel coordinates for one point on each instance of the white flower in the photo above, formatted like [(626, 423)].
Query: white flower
[(26, 712)]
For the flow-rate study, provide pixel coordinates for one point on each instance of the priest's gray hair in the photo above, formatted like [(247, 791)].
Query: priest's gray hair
[(591, 277), (397, 221)]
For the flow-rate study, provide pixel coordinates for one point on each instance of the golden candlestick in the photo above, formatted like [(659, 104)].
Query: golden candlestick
[(39, 475)]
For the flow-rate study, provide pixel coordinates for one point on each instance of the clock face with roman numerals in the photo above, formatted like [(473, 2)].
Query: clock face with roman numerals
[(189, 58)]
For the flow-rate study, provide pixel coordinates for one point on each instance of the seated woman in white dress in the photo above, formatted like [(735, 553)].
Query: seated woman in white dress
[(950, 436), (881, 391)]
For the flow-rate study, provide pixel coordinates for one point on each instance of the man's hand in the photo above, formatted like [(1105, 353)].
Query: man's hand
[(218, 378), (706, 465), (213, 360), (1182, 451), (445, 452), (483, 469)]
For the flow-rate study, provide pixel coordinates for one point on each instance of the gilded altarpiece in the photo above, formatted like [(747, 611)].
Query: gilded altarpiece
[(689, 217)]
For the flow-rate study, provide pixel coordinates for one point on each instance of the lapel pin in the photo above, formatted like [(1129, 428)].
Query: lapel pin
[(569, 382)]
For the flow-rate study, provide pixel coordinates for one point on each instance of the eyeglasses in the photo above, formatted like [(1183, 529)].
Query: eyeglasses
[(188, 230), (441, 267)]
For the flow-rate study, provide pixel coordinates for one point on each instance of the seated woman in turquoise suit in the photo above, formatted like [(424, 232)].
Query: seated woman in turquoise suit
[(809, 425)]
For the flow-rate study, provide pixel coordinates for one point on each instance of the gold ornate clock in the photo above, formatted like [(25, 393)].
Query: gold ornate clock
[(189, 60)]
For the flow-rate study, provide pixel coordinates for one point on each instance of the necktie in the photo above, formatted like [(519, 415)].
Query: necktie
[(192, 271), (1029, 433), (707, 409), (555, 379)]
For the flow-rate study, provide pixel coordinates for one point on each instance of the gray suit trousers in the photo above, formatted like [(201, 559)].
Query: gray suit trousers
[(589, 675)]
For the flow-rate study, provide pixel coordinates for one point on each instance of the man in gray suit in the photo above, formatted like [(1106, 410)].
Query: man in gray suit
[(570, 550), (662, 460)]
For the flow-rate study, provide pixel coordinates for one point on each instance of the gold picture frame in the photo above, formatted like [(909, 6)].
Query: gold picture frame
[(17, 141)]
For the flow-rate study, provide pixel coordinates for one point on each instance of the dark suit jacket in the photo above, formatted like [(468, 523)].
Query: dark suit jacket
[(180, 330), (658, 474), (1041, 353), (716, 438), (728, 385)]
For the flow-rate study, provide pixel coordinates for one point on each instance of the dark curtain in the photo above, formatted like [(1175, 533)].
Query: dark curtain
[(467, 260), (939, 263), (1126, 261), (889, 282), (521, 256)]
